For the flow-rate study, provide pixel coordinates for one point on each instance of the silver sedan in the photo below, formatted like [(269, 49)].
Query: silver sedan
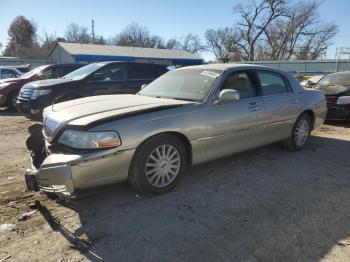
[(186, 117)]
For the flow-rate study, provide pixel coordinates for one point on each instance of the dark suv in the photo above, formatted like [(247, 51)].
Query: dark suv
[(100, 78), (10, 87)]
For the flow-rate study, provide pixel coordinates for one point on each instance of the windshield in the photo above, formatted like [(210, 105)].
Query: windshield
[(336, 79), (84, 71), (183, 84), (34, 71)]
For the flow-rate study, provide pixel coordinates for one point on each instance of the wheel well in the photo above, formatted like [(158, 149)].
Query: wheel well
[(183, 139), (311, 114)]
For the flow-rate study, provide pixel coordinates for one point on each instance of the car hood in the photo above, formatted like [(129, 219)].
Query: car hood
[(47, 83), (12, 80), (333, 89), (84, 111)]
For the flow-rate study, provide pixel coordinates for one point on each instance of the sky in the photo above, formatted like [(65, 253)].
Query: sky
[(166, 18)]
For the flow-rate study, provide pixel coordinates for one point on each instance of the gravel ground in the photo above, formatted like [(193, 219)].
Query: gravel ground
[(268, 204)]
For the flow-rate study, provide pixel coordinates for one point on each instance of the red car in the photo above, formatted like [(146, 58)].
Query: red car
[(9, 88)]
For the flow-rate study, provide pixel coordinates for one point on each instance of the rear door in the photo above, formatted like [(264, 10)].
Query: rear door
[(140, 74), (236, 126), (110, 79), (281, 105)]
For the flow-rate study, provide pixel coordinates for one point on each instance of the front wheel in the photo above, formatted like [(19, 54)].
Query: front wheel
[(300, 133), (158, 164), (11, 102)]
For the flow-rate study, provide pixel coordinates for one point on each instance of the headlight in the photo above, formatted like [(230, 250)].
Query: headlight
[(2, 86), (343, 100), (36, 93), (89, 140)]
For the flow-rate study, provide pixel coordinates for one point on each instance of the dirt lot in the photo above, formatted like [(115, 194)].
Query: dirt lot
[(264, 205)]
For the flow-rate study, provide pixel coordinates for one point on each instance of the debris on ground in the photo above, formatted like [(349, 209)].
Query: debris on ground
[(5, 228), (12, 204), (343, 243), (5, 258), (10, 178), (27, 215)]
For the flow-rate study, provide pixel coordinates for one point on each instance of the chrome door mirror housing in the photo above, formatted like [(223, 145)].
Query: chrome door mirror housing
[(227, 95)]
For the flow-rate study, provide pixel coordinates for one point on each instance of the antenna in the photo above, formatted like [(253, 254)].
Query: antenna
[(93, 30)]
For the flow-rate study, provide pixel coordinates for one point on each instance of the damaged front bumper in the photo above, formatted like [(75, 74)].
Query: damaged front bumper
[(64, 172)]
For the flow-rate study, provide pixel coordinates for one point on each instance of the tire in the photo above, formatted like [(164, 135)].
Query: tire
[(11, 101), (155, 168), (300, 133)]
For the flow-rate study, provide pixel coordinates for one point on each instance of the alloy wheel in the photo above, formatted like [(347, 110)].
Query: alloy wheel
[(163, 166)]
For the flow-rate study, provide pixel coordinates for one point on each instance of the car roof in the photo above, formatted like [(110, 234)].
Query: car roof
[(224, 67), (127, 62)]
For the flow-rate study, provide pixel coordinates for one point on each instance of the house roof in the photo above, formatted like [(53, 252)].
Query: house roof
[(139, 52)]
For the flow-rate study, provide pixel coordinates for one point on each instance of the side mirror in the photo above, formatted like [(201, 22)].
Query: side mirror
[(38, 77), (97, 77), (228, 95), (143, 86)]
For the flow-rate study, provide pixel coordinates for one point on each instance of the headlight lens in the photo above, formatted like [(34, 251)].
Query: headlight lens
[(343, 100), (89, 140), (37, 93), (2, 86)]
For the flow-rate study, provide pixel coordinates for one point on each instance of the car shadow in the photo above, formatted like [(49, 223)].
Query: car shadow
[(6, 112), (267, 204)]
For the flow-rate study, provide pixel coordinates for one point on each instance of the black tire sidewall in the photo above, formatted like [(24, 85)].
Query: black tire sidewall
[(10, 97), (137, 176)]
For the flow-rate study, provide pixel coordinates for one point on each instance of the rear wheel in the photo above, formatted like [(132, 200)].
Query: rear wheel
[(300, 133), (158, 164), (11, 102)]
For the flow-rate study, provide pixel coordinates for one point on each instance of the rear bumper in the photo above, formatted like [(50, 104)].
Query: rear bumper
[(340, 112), (64, 173)]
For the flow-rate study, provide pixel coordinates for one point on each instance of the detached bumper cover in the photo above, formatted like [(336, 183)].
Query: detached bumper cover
[(63, 173)]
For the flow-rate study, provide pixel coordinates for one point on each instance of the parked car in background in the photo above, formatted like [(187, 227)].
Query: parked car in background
[(101, 78), (9, 88), (187, 116), (336, 88), (312, 81), (9, 72)]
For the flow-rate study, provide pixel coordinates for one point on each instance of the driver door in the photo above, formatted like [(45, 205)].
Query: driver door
[(235, 126)]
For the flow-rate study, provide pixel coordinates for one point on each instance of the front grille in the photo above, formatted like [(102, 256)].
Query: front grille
[(331, 101), (25, 93)]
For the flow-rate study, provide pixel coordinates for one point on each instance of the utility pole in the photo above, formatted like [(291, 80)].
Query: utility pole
[(93, 30)]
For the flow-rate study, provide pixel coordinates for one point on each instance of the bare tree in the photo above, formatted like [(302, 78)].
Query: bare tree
[(138, 36), (77, 34), (299, 34), (190, 42), (255, 18), (223, 43)]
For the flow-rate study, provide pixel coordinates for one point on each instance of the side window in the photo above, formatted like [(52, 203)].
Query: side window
[(47, 74), (8, 73), (57, 73), (272, 83), (140, 71), (112, 72), (240, 82), (67, 70)]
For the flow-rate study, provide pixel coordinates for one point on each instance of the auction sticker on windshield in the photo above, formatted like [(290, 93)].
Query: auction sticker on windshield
[(210, 74)]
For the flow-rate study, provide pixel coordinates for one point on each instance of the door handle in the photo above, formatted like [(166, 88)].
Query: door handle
[(254, 108), (294, 101)]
